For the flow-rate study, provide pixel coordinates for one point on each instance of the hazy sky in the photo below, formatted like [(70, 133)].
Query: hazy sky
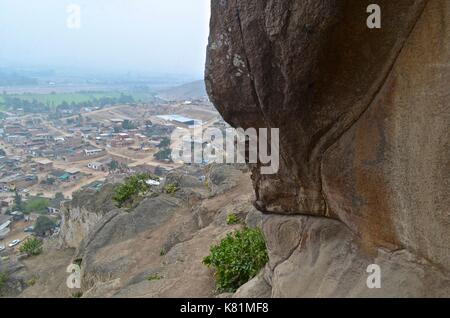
[(160, 36)]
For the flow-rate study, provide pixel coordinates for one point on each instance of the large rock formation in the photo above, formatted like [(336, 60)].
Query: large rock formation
[(364, 119)]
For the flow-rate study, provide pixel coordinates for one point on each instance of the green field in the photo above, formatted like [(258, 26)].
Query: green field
[(55, 99), (58, 98)]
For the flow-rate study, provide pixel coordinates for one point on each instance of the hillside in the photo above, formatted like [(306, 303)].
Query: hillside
[(142, 251), (190, 91)]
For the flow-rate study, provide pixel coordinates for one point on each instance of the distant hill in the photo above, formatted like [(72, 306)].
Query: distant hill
[(190, 91), (14, 79)]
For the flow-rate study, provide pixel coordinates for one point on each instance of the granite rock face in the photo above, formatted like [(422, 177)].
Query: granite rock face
[(363, 117), (81, 215)]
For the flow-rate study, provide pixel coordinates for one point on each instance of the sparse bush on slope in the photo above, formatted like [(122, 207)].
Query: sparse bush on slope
[(132, 187), (233, 219), (32, 246), (237, 258)]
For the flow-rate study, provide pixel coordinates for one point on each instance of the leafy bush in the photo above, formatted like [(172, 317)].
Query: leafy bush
[(38, 205), (43, 224), (18, 202), (127, 124), (165, 143), (237, 258), (132, 187), (171, 188), (31, 246), (77, 294), (233, 219), (31, 282), (163, 154), (154, 277), (113, 165)]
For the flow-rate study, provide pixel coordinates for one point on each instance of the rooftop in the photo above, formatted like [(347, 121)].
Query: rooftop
[(73, 170), (43, 161), (178, 118), (4, 218)]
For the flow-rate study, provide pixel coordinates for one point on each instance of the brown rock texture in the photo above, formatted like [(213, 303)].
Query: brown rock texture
[(363, 117)]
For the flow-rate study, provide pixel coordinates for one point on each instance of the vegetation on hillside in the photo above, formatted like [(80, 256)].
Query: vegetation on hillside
[(163, 155), (237, 258), (77, 294), (128, 125), (43, 225), (34, 103), (153, 277), (36, 205), (133, 187), (233, 219), (32, 246), (165, 143), (171, 188), (18, 202)]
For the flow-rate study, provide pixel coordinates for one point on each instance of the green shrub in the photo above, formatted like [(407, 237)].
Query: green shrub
[(37, 204), (237, 258), (132, 187), (31, 246), (171, 188), (165, 143), (154, 277), (77, 294), (233, 219), (43, 224), (163, 154), (31, 282)]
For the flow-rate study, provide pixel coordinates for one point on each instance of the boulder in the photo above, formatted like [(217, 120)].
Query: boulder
[(363, 117)]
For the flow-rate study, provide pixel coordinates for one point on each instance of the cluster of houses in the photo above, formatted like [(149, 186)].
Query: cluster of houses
[(38, 142), (24, 173), (33, 138)]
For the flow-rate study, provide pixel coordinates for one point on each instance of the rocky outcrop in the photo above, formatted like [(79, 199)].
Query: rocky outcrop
[(153, 248), (141, 251), (221, 178), (82, 214), (318, 257), (364, 118)]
